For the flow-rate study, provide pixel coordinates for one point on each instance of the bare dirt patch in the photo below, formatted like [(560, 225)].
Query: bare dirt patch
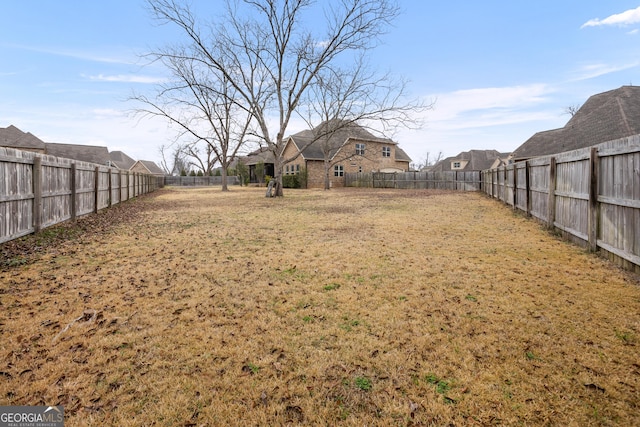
[(340, 308)]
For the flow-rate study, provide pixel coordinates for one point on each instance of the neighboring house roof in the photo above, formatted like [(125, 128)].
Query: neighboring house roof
[(261, 155), (149, 166), (401, 155), (83, 153), (604, 117), (314, 150), (121, 160), (13, 137), (476, 160)]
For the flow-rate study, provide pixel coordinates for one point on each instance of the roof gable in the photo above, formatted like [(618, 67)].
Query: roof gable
[(153, 168), (121, 160), (13, 137)]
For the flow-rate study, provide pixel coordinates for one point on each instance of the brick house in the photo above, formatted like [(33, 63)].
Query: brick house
[(349, 149)]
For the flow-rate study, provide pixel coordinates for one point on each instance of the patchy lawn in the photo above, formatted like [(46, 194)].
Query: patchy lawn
[(194, 307)]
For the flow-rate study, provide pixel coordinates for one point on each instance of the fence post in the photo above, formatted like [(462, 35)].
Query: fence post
[(493, 189), (37, 194), (504, 185), (74, 191), (110, 197), (515, 187), (593, 221), (96, 187), (527, 185), (551, 205)]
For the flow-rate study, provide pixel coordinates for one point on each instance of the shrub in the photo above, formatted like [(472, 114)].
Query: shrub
[(290, 181)]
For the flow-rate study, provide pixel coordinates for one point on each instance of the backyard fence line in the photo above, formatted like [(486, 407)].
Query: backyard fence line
[(591, 196), (38, 191), (198, 181), (447, 180)]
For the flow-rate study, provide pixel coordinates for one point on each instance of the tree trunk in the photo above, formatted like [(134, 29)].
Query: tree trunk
[(327, 179), (224, 178), (277, 171)]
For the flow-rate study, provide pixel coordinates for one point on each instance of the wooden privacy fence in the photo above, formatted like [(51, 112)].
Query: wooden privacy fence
[(198, 181), (592, 195), (448, 180), (37, 191)]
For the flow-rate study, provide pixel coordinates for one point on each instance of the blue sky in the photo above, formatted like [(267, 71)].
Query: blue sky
[(498, 71)]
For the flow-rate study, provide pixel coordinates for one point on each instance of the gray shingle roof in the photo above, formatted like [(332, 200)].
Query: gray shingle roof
[(478, 160), (153, 168), (603, 117), (313, 150), (121, 160), (83, 153), (402, 155), (263, 155), (13, 137)]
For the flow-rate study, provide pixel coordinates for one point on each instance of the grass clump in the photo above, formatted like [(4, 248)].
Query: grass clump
[(363, 383)]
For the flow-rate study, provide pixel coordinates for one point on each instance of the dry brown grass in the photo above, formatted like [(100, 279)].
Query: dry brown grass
[(348, 307)]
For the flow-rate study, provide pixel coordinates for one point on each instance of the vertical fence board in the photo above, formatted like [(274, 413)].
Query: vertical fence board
[(37, 194), (591, 195), (446, 180), (37, 191)]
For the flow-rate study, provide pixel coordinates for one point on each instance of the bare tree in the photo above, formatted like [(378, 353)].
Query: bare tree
[(428, 161), (201, 156), (270, 55), (202, 102), (174, 162), (572, 109), (345, 101)]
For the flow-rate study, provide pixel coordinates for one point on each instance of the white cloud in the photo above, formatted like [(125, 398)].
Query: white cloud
[(596, 70), (115, 58), (127, 78), (628, 17), (451, 106)]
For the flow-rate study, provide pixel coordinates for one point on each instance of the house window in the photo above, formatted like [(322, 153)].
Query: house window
[(287, 172), (338, 170), (386, 151), (297, 169), (359, 149), (456, 165)]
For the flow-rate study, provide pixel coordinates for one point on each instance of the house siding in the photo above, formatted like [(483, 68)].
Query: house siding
[(297, 165), (372, 160), (315, 175)]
